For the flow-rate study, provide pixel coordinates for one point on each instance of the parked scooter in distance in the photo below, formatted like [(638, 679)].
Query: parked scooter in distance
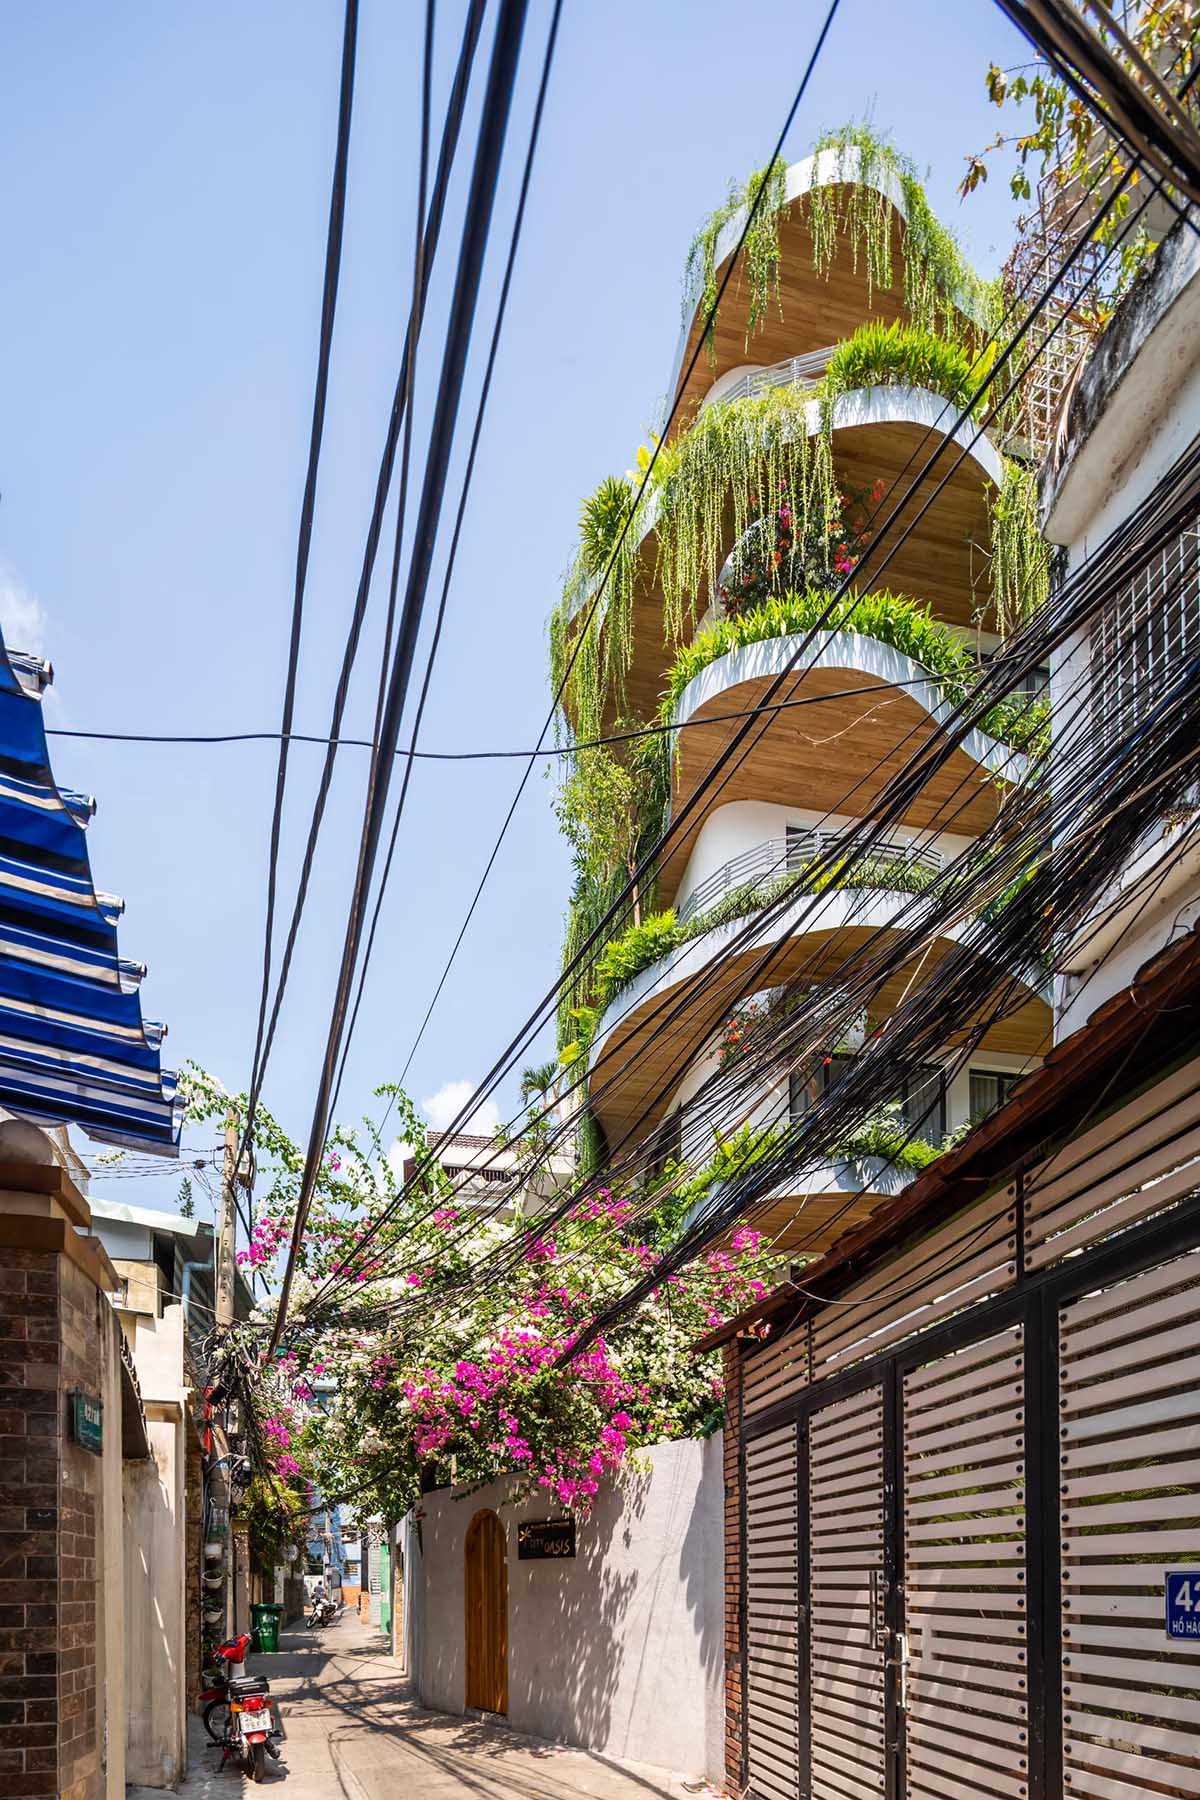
[(255, 1728), (323, 1611)]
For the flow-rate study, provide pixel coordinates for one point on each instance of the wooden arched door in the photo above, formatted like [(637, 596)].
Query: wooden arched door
[(487, 1614)]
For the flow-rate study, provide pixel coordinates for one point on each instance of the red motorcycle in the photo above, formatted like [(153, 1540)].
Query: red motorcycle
[(239, 1713)]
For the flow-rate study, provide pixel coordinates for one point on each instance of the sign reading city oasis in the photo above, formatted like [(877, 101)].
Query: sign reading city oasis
[(542, 1538), (87, 1423)]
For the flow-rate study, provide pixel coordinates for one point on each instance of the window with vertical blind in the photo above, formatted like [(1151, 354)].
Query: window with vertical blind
[(920, 1096), (990, 1088)]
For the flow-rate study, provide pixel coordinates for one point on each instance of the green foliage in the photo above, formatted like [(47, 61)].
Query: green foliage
[(939, 284), (187, 1199), (759, 260), (734, 1155), (887, 1137), (277, 1517), (624, 957), (889, 618), (603, 514), (901, 354), (733, 465), (1020, 556)]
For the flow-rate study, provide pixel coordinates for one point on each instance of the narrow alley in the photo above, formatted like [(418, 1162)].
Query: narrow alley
[(354, 1733)]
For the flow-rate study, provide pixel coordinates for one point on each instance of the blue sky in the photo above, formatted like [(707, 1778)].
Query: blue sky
[(164, 238)]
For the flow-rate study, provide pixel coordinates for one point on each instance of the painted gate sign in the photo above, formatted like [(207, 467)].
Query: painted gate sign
[(1183, 1603), (538, 1538)]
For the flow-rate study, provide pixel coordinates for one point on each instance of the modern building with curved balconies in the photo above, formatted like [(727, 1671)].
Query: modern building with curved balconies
[(701, 597)]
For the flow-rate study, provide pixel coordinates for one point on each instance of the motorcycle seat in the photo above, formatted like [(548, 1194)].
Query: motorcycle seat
[(250, 1684)]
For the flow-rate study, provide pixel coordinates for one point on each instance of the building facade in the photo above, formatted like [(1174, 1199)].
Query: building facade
[(849, 347)]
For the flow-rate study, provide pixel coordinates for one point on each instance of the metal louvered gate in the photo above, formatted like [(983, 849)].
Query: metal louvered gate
[(971, 1496), (954, 1565), (885, 1597)]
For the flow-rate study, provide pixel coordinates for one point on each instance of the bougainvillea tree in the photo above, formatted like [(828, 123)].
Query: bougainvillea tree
[(439, 1326)]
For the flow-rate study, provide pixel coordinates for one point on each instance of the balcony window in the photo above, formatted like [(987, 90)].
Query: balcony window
[(921, 1099), (990, 1088), (923, 1103), (1140, 641)]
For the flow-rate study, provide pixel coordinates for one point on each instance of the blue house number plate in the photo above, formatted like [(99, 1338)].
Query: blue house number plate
[(1183, 1603)]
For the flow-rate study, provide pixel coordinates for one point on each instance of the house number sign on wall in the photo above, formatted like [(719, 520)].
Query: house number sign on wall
[(539, 1538), (87, 1423), (1183, 1603)]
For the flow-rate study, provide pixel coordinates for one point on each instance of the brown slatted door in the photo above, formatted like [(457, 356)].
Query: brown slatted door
[(1129, 1377), (846, 1572), (966, 1721), (773, 1616), (486, 1588)]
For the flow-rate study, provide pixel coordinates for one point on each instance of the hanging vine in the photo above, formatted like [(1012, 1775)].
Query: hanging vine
[(1020, 555), (856, 207), (760, 256)]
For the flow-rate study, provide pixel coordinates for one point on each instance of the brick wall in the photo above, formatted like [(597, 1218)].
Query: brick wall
[(80, 1503), (49, 1518), (30, 1432), (734, 1733)]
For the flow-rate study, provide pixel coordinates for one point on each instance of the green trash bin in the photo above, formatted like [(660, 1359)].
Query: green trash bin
[(264, 1624)]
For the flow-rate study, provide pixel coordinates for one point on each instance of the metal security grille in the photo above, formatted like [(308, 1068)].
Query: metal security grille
[(772, 1615), (847, 1599), (1130, 1511), (965, 1693), (1142, 639)]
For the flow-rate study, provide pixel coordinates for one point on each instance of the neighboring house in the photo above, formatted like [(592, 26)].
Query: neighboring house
[(78, 1442), (1135, 409), (962, 1461), (485, 1174), (165, 1266)]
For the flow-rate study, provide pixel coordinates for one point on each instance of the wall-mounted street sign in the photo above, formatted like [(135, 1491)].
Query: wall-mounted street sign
[(87, 1423), (538, 1538), (1183, 1603)]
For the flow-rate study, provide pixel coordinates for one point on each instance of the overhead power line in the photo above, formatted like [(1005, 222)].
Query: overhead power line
[(333, 264), (493, 124), (752, 211), (432, 226)]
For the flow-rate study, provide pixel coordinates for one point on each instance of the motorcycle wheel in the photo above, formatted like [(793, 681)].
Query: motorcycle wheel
[(216, 1720), (258, 1762)]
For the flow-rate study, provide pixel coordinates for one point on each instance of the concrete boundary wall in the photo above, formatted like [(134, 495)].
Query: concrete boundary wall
[(619, 1650)]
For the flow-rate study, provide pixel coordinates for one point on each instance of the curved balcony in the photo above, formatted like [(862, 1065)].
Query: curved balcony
[(775, 859), (834, 756), (659, 1024), (807, 1214), (882, 432), (812, 308)]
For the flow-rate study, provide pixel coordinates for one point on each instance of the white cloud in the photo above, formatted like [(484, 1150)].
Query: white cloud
[(22, 616), (442, 1108)]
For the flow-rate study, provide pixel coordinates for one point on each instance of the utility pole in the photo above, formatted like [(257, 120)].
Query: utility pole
[(227, 1236)]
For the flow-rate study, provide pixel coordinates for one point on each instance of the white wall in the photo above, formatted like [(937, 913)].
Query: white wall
[(620, 1650), (155, 1558)]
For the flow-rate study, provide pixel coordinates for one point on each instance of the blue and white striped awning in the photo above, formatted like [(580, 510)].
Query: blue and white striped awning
[(74, 1048)]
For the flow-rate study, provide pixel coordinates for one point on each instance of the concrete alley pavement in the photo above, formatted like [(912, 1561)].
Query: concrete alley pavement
[(355, 1733)]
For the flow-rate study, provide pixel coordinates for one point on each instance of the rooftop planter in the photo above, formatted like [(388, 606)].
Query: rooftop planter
[(856, 212)]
